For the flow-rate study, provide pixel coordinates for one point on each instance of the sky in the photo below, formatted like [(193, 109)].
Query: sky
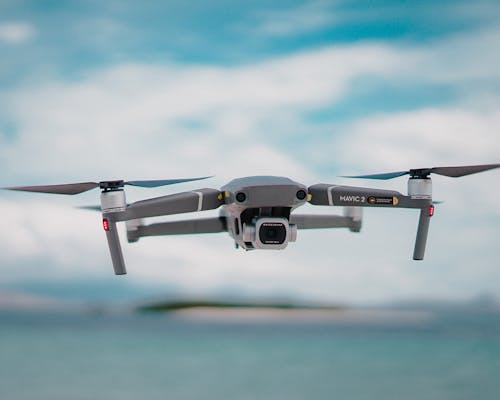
[(311, 90)]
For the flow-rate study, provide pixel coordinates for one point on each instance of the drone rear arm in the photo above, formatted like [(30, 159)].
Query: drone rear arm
[(313, 221), (205, 225)]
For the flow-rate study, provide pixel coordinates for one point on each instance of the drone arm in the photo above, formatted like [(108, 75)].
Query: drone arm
[(206, 225), (313, 221), (114, 246), (196, 200), (331, 195), (422, 232)]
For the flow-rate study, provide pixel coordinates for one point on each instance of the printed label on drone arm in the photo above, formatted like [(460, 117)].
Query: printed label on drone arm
[(372, 200), (392, 201), (353, 199)]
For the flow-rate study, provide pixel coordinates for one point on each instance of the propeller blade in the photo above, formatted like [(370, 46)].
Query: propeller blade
[(162, 182), (456, 172), (76, 188), (388, 175), (69, 188), (90, 208)]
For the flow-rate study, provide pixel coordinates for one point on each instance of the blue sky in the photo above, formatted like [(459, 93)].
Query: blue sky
[(307, 89)]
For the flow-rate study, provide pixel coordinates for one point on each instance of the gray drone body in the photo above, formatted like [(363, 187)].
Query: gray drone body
[(258, 212)]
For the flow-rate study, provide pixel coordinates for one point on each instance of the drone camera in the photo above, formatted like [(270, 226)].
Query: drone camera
[(270, 233)]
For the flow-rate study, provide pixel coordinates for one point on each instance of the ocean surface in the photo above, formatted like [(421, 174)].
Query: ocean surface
[(158, 356)]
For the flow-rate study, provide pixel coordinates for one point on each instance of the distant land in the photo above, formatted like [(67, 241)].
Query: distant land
[(481, 303), (239, 311), (246, 310), (178, 305), (257, 308)]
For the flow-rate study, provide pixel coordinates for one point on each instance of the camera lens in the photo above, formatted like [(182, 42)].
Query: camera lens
[(272, 233)]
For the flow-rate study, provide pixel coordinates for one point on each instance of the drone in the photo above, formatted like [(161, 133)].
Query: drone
[(257, 212)]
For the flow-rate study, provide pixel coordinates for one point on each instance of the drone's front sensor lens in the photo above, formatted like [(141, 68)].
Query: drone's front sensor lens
[(301, 194), (241, 197)]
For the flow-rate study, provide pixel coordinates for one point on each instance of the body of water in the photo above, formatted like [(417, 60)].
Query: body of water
[(158, 356)]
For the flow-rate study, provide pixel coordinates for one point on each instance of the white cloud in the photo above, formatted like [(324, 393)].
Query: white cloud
[(139, 121), (423, 137), (129, 119), (16, 32), (465, 60), (43, 239), (309, 16)]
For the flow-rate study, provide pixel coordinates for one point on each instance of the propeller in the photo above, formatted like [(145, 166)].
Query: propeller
[(90, 208), (77, 188), (422, 173)]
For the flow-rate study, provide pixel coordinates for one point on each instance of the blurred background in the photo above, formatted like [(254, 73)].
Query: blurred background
[(306, 89)]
